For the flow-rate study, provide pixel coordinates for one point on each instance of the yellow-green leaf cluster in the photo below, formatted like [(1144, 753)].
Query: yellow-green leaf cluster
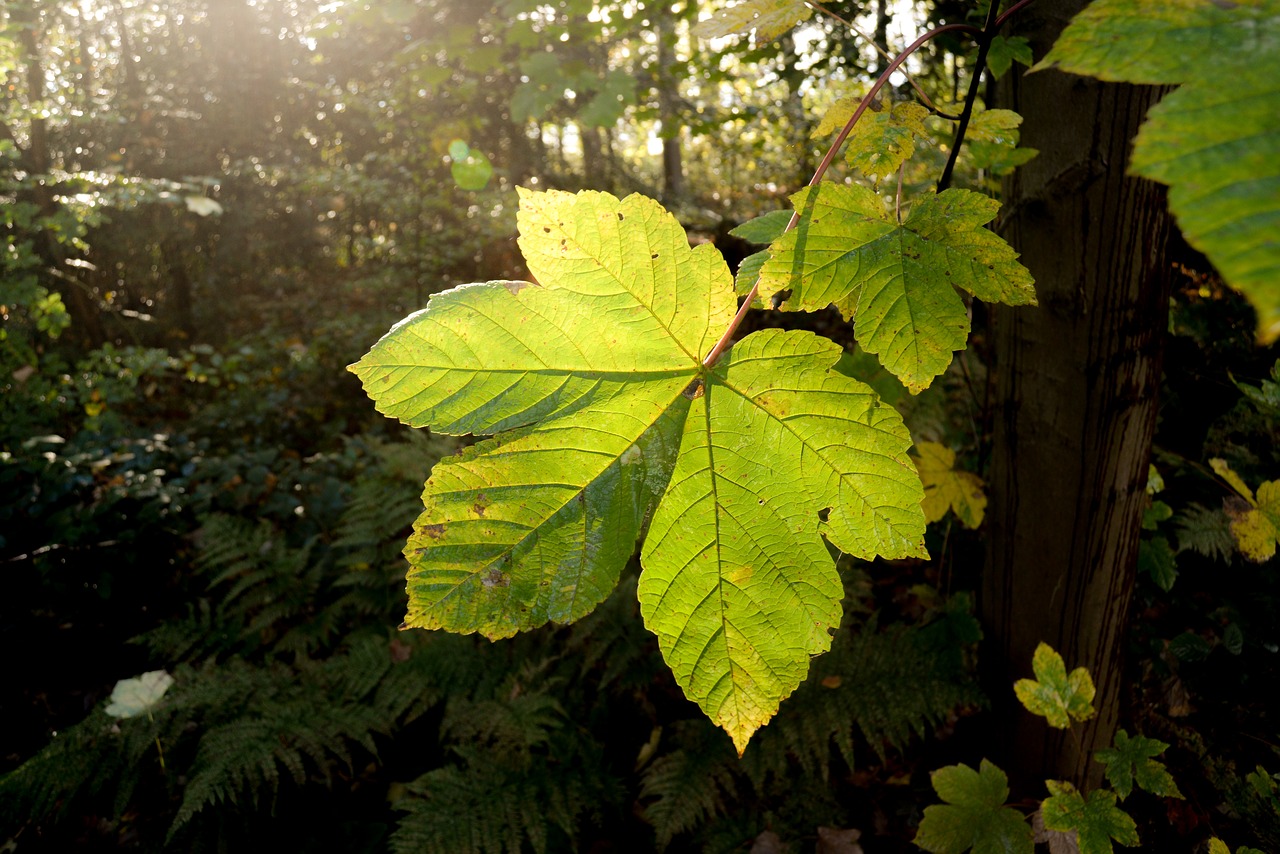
[(884, 137), (896, 281), (1256, 523), (947, 487), (1053, 694)]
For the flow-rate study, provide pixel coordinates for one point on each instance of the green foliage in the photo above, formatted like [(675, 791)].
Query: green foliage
[(973, 815), (688, 788), (1095, 821), (1215, 140), (1158, 561), (598, 427), (1132, 760), (1053, 694), (895, 280), (1004, 52)]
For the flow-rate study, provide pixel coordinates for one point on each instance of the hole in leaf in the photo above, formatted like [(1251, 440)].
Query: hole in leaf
[(780, 297), (824, 513)]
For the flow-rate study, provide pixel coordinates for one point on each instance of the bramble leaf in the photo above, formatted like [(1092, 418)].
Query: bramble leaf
[(973, 815), (1053, 694), (605, 419), (1158, 560), (1133, 760), (1096, 821), (895, 281), (948, 488), (1216, 140), (767, 18)]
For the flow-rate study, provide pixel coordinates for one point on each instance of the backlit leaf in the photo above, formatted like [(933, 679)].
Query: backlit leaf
[(895, 281), (1216, 140), (605, 419), (1053, 694), (767, 19), (1096, 821), (948, 488), (974, 815), (884, 137)]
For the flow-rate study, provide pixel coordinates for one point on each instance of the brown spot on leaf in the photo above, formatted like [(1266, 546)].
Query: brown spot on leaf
[(694, 390), (621, 217), (478, 508), (494, 577), (435, 532)]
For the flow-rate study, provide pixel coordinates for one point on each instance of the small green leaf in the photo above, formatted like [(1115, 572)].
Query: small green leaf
[(1157, 560), (1155, 514), (1053, 694), (992, 139), (974, 815), (895, 282), (1233, 638), (764, 229), (1189, 646), (1133, 760), (1096, 821), (1004, 52), (767, 18), (1265, 396), (133, 697)]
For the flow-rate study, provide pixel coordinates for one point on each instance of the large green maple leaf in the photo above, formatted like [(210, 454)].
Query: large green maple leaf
[(895, 280), (605, 418), (1216, 140)]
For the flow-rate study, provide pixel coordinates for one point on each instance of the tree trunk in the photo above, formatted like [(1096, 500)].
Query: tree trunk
[(1078, 377)]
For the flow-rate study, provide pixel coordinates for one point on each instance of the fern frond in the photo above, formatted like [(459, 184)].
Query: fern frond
[(688, 787), (1206, 531)]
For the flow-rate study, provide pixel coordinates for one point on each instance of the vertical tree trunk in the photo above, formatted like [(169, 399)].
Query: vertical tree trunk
[(86, 323), (1078, 378), (672, 156)]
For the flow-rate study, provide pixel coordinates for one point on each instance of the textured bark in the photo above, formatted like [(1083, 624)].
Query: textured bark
[(1078, 379)]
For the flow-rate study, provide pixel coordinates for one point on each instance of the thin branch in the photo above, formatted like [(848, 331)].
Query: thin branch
[(980, 64), (1011, 11), (723, 344)]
